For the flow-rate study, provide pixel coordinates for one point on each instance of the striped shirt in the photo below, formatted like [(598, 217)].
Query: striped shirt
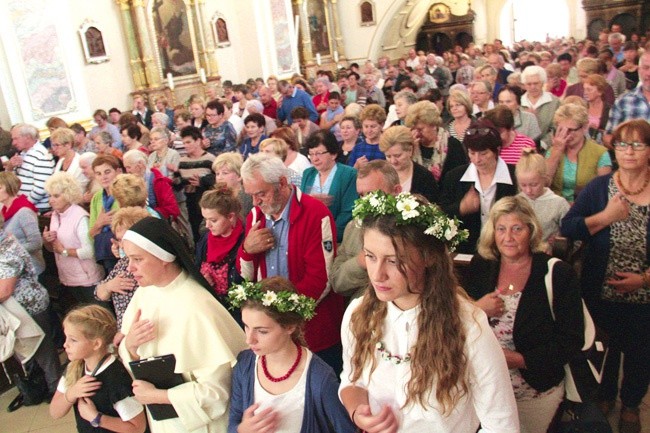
[(37, 167), (512, 153)]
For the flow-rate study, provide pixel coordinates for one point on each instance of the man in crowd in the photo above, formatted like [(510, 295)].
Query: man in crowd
[(633, 105), (293, 97), (141, 111), (481, 95), (269, 103), (349, 276), (33, 165), (102, 124), (292, 235), (497, 61)]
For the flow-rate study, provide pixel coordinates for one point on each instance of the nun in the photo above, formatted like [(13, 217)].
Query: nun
[(174, 312)]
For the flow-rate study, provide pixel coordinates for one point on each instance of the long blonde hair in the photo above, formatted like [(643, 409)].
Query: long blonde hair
[(94, 322), (438, 355)]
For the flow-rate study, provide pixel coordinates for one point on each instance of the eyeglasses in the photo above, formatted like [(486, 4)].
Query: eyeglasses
[(315, 154), (636, 145)]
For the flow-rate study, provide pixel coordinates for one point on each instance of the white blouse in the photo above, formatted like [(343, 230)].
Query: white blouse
[(490, 400), (289, 405)]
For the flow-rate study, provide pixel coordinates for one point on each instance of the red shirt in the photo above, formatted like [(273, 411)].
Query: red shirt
[(271, 109)]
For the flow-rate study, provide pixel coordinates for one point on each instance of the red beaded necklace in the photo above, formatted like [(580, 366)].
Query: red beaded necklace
[(289, 373)]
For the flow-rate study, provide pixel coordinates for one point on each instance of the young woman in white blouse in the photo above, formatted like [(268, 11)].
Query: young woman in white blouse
[(417, 355)]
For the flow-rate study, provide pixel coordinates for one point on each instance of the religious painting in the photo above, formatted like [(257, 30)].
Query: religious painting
[(222, 31), (173, 37), (41, 62), (367, 13), (282, 37), (92, 41), (318, 29), (439, 13)]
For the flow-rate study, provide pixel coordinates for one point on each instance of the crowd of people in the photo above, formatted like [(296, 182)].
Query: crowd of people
[(325, 220)]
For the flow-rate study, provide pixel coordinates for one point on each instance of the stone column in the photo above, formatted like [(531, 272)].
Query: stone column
[(150, 66), (135, 62), (208, 54), (339, 47), (307, 55)]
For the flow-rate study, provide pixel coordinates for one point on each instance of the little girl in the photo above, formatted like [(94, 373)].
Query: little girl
[(95, 383), (279, 385), (549, 207)]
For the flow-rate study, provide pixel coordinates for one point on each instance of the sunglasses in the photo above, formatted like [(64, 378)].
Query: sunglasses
[(481, 132)]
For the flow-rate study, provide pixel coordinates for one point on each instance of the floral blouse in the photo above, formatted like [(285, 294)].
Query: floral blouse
[(15, 262)]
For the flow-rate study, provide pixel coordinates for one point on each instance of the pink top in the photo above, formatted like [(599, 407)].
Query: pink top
[(512, 153)]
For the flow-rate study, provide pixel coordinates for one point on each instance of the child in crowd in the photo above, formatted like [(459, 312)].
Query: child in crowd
[(95, 384), (549, 207), (278, 384)]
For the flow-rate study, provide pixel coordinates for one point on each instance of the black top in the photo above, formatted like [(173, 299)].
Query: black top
[(116, 386), (453, 191), (424, 183), (545, 344)]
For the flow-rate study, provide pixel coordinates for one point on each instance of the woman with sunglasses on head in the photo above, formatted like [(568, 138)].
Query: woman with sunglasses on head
[(278, 384), (417, 355), (573, 159), (469, 191), (612, 216)]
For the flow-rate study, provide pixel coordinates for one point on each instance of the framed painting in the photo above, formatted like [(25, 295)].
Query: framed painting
[(174, 39), (92, 41), (220, 30)]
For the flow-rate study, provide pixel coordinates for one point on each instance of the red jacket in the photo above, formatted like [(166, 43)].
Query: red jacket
[(166, 204), (311, 251)]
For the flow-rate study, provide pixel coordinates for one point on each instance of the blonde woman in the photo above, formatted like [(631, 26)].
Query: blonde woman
[(227, 169), (67, 237)]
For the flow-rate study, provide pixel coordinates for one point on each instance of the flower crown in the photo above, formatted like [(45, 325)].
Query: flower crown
[(283, 301), (408, 210)]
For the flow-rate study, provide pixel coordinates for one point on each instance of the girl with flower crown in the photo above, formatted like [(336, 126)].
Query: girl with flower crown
[(278, 385), (417, 355)]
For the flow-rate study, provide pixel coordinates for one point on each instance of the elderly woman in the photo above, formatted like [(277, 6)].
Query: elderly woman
[(67, 237), (321, 85), (104, 145), (598, 111), (20, 218), (119, 285), (227, 169), (102, 208), (537, 101), (586, 67), (18, 280), (350, 130), (162, 157), (611, 216), (460, 108), (331, 182), (398, 146), (92, 186), (469, 191), (397, 112), (525, 122), (573, 159), (62, 141), (436, 149), (536, 344), (171, 286), (160, 120)]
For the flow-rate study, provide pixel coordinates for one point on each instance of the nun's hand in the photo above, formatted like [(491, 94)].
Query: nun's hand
[(141, 332)]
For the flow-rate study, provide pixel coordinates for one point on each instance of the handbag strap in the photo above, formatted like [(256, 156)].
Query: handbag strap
[(548, 281)]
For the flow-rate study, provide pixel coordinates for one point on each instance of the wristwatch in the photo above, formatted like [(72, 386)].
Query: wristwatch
[(64, 253), (95, 422)]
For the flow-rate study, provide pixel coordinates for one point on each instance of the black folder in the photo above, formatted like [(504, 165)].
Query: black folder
[(159, 371)]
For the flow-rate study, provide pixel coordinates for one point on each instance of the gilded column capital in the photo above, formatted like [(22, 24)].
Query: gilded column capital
[(138, 3)]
